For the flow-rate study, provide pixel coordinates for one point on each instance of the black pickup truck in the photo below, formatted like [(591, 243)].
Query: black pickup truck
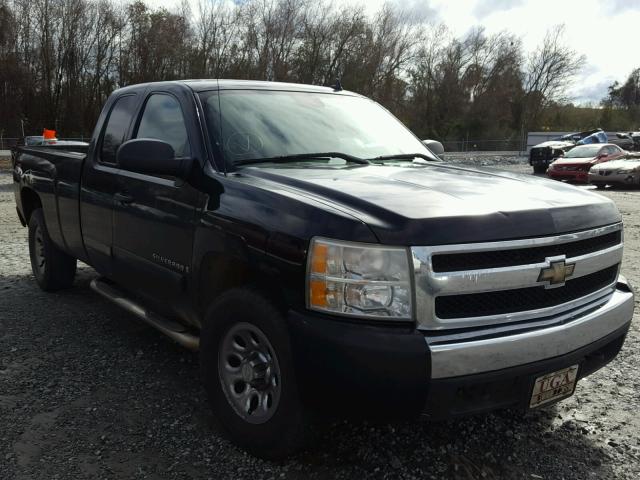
[(322, 258)]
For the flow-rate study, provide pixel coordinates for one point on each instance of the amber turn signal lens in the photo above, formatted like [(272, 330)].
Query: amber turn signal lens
[(319, 258), (318, 293)]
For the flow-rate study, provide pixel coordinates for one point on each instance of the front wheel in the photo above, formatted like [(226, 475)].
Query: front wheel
[(539, 168), (53, 268), (247, 368)]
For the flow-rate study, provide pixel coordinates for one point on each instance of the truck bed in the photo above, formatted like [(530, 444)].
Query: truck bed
[(54, 173)]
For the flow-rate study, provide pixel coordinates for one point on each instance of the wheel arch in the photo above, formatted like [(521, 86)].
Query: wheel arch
[(30, 201), (219, 272)]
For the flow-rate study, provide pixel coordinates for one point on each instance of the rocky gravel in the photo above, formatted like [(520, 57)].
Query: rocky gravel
[(86, 391)]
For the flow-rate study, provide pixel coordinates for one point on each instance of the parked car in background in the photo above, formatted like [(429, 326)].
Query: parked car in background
[(574, 166), (622, 172), (623, 140), (577, 136), (542, 154), (635, 136), (597, 137)]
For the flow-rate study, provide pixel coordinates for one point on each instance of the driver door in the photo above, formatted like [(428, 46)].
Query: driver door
[(154, 216)]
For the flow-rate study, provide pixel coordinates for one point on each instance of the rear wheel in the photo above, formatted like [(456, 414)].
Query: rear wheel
[(53, 268), (247, 368)]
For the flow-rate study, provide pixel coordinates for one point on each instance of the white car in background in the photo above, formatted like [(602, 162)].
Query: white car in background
[(622, 172)]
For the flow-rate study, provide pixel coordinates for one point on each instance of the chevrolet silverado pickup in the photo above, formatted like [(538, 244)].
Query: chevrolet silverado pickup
[(321, 257)]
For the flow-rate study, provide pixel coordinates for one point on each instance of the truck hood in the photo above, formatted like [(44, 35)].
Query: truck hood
[(432, 204)]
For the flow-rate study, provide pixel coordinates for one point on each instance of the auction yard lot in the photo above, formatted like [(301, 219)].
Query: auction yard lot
[(87, 391)]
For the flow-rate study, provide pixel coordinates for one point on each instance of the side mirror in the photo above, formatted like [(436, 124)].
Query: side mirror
[(436, 147), (151, 156)]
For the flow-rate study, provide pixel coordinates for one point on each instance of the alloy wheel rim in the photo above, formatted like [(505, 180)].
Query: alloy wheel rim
[(249, 373)]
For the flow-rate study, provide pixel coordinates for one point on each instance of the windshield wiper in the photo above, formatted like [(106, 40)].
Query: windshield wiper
[(302, 156), (405, 156)]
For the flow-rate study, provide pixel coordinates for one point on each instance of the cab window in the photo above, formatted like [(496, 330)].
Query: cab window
[(162, 119), (117, 127)]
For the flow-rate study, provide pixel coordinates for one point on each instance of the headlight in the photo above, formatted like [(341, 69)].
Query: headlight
[(359, 280)]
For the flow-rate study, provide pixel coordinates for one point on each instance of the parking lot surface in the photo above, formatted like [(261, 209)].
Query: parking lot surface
[(87, 391)]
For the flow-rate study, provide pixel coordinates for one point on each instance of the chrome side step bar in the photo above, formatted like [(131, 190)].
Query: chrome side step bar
[(171, 329)]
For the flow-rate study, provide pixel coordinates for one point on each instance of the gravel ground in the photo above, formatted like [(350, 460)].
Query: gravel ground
[(86, 391)]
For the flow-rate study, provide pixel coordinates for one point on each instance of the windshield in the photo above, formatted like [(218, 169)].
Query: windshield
[(262, 124), (583, 152)]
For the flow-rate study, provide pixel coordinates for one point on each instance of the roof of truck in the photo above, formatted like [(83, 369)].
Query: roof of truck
[(214, 84)]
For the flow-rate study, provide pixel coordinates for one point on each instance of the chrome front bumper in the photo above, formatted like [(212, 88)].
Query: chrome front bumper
[(460, 358)]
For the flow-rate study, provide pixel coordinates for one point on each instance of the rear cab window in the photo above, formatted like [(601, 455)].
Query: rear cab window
[(116, 128)]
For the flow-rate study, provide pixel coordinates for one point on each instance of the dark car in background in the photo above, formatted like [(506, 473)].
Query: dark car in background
[(544, 153), (623, 140), (635, 136), (574, 166)]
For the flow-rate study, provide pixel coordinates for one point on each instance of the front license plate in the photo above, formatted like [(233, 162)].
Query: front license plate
[(554, 386)]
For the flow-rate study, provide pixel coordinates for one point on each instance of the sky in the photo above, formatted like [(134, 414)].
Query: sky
[(607, 32)]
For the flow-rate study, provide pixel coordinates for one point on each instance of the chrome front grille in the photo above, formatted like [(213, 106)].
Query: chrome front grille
[(452, 262), (498, 283)]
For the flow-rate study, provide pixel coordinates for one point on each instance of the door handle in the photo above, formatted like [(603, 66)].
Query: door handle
[(123, 198)]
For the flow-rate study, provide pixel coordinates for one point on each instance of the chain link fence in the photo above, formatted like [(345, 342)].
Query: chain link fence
[(506, 145)]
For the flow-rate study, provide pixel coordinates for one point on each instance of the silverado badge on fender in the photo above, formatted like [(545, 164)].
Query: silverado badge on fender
[(556, 273)]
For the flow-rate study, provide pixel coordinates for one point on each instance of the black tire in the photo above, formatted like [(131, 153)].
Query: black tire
[(53, 268), (286, 431), (539, 168)]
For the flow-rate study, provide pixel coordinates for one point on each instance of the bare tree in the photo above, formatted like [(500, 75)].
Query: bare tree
[(61, 58), (548, 73)]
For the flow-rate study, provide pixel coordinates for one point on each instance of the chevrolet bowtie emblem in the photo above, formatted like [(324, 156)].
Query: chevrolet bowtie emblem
[(556, 273)]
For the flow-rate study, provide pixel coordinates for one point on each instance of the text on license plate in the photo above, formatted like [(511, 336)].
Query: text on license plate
[(553, 386)]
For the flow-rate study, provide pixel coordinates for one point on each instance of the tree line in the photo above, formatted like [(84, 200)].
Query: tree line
[(60, 59)]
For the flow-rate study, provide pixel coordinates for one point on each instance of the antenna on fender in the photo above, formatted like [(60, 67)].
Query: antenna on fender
[(337, 87)]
